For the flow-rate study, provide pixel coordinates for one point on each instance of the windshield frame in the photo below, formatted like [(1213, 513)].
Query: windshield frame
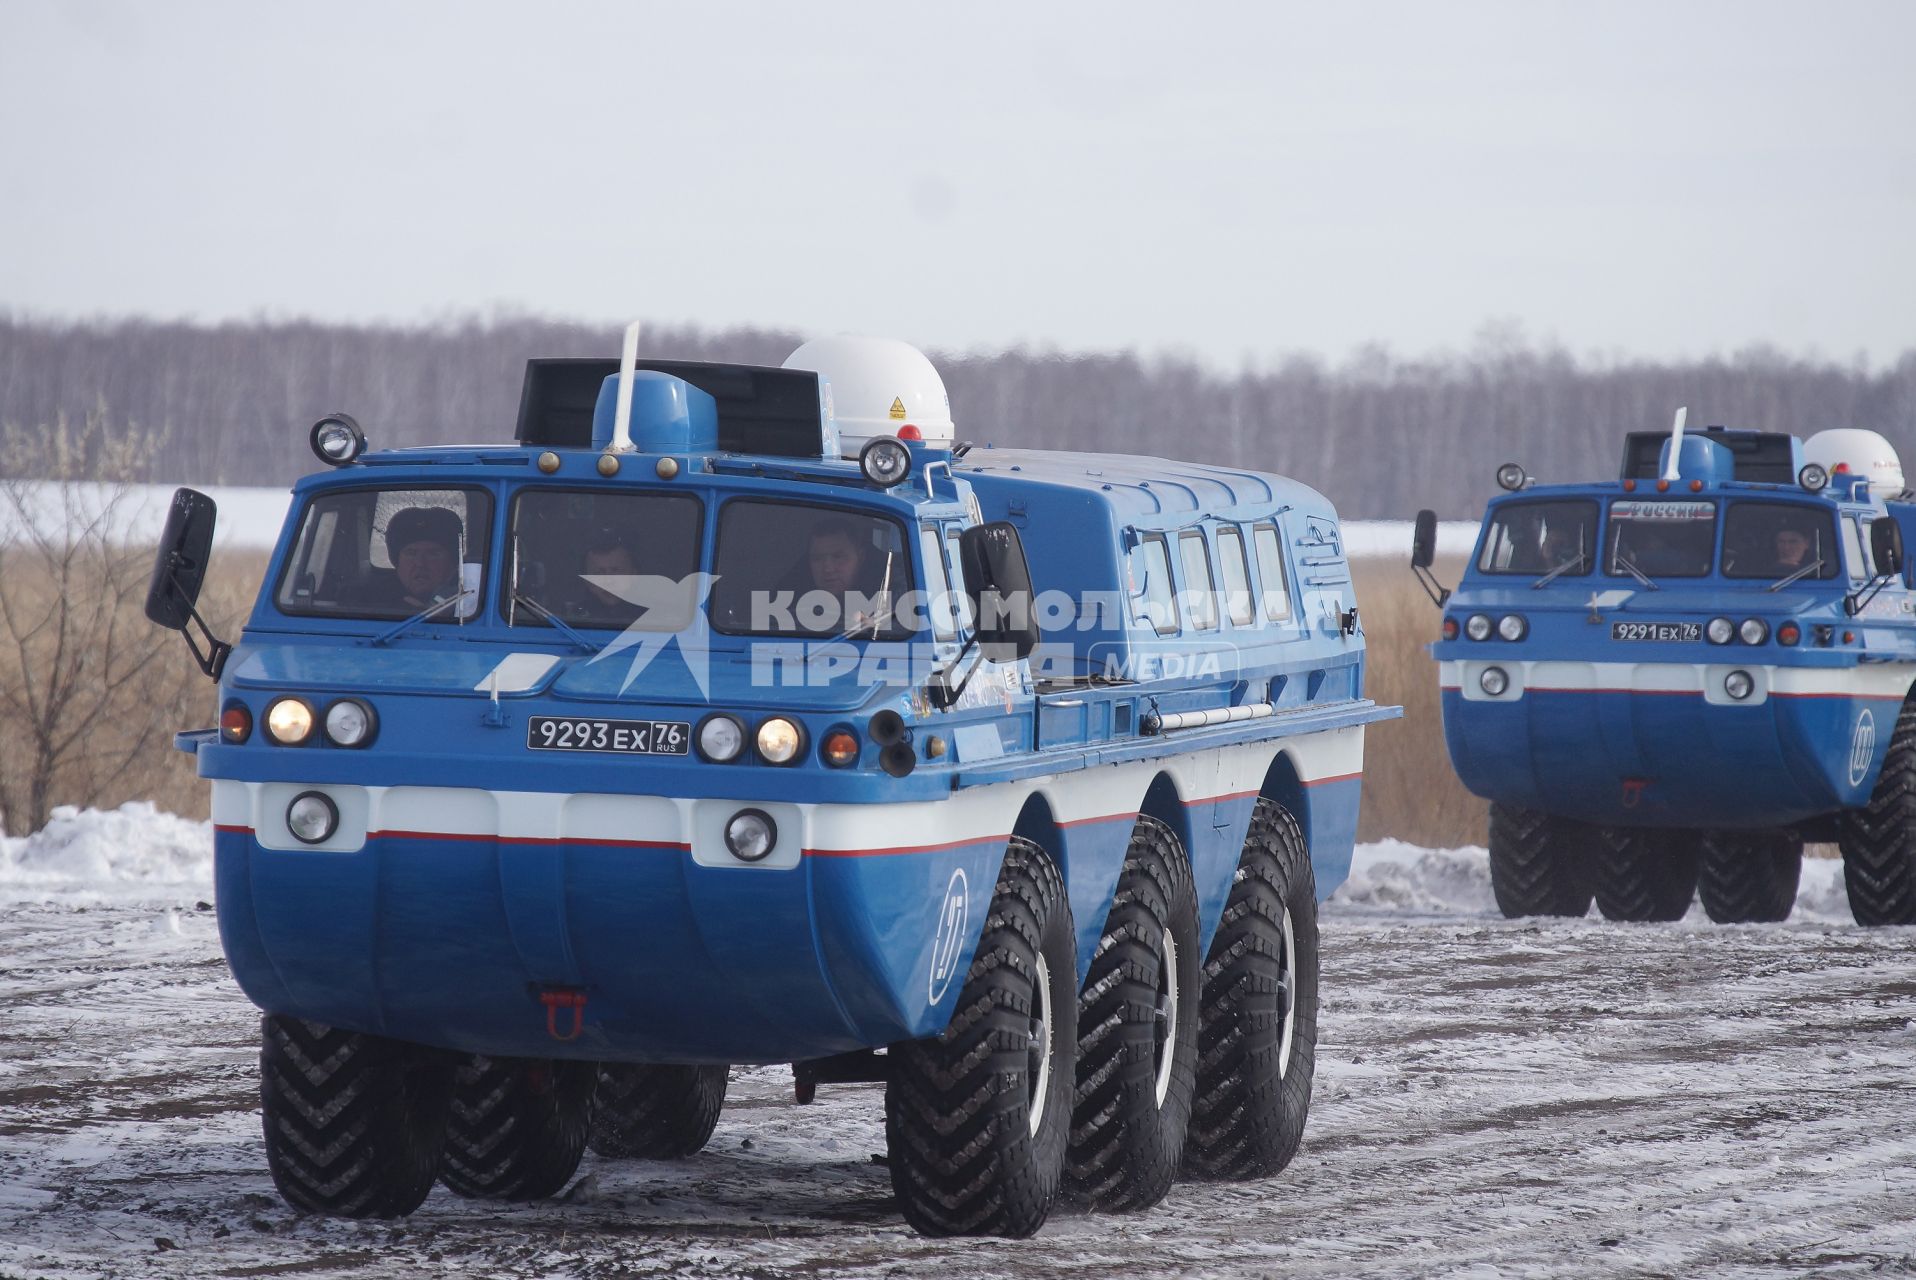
[(1832, 552), (1497, 513), (1612, 567), (508, 557)]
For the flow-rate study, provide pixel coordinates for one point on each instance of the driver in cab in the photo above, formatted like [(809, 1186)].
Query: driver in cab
[(423, 544)]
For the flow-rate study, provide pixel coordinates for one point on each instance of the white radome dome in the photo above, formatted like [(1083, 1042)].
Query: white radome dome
[(878, 385), (1864, 453)]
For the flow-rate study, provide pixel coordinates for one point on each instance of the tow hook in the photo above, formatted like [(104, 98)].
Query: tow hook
[(557, 998)]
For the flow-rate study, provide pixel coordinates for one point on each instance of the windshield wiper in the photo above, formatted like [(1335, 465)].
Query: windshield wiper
[(1630, 568), (1812, 567), (558, 623), (398, 629), (1559, 571)]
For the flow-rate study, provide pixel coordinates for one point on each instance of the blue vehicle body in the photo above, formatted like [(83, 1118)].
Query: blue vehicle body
[(1616, 707), (471, 876)]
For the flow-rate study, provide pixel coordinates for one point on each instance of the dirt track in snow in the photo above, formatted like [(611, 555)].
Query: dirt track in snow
[(1493, 1098)]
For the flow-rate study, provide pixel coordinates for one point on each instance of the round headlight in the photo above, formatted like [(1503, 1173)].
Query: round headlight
[(1494, 681), (1738, 684), (884, 461), (720, 738), (337, 440), (779, 740), (1512, 627), (751, 834), (350, 723), (1814, 477), (1511, 476), (1477, 626), (1754, 631), (312, 817), (289, 722), (1719, 631)]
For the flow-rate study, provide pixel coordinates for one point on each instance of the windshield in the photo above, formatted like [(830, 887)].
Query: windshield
[(387, 553), (598, 559), (1775, 540), (792, 568), (1661, 539), (1535, 538)]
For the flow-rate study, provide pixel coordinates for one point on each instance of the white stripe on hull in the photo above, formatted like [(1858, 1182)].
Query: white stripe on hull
[(1869, 680)]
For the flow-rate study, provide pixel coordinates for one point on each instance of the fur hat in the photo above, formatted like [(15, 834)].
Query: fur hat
[(423, 524)]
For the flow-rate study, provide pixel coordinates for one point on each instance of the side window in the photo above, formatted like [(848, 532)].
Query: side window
[(1200, 590), (1156, 602), (1237, 577), (1270, 573), (938, 602), (1854, 554)]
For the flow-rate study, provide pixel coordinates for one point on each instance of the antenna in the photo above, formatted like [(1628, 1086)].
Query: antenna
[(1676, 442), (622, 421)]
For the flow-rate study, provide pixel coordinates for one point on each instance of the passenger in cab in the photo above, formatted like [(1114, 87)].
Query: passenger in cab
[(607, 558), (840, 561)]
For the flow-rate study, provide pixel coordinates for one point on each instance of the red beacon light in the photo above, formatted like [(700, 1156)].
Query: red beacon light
[(911, 434)]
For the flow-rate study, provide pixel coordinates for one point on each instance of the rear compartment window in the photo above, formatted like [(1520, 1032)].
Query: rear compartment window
[(1669, 538), (387, 553), (1270, 573), (1778, 540), (793, 568), (1200, 591), (602, 560), (1236, 572), (1538, 538)]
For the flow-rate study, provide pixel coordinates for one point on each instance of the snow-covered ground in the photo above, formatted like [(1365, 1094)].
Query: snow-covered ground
[(1494, 1098), (251, 518)]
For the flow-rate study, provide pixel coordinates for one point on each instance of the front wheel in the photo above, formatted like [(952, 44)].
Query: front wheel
[(977, 1120), (1539, 865), (354, 1122), (1137, 1032), (1645, 875), (1749, 877), (1879, 840), (1257, 1035)]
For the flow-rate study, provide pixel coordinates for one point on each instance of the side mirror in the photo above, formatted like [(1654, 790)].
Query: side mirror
[(179, 567), (1423, 543), (1886, 546), (998, 580)]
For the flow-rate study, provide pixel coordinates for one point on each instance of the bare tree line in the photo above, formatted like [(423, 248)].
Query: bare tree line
[(1379, 433)]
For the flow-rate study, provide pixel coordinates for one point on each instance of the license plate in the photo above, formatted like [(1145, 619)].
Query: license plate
[(630, 737), (1656, 631)]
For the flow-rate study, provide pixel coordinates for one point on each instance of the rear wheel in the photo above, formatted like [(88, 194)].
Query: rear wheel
[(1137, 1032), (1644, 875), (518, 1127), (643, 1111), (1539, 865), (977, 1120), (1257, 1035), (1879, 840), (354, 1122), (1749, 877)]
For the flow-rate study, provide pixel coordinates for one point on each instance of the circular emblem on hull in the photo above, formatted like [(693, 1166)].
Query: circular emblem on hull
[(949, 941), (1862, 748)]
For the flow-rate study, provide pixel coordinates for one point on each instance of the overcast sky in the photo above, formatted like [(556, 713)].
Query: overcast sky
[(1232, 181)]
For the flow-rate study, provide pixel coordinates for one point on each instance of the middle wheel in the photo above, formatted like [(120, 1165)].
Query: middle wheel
[(1137, 1032)]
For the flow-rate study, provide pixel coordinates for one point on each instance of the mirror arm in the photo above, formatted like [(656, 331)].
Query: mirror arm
[(211, 659), (943, 696), (1856, 601), (1438, 593)]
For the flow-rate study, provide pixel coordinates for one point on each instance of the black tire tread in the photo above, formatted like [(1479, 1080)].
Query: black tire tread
[(1879, 840), (353, 1122), (1749, 877), (1125, 1148), (647, 1111), (1644, 874), (962, 1158), (1538, 864), (1247, 1121), (517, 1128)]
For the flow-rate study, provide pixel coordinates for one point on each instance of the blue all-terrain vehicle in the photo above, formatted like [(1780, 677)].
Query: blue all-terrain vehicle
[(738, 715), (1666, 683)]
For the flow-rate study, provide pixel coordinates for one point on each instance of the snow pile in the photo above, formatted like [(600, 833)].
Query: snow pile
[(1393, 876), (131, 852)]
